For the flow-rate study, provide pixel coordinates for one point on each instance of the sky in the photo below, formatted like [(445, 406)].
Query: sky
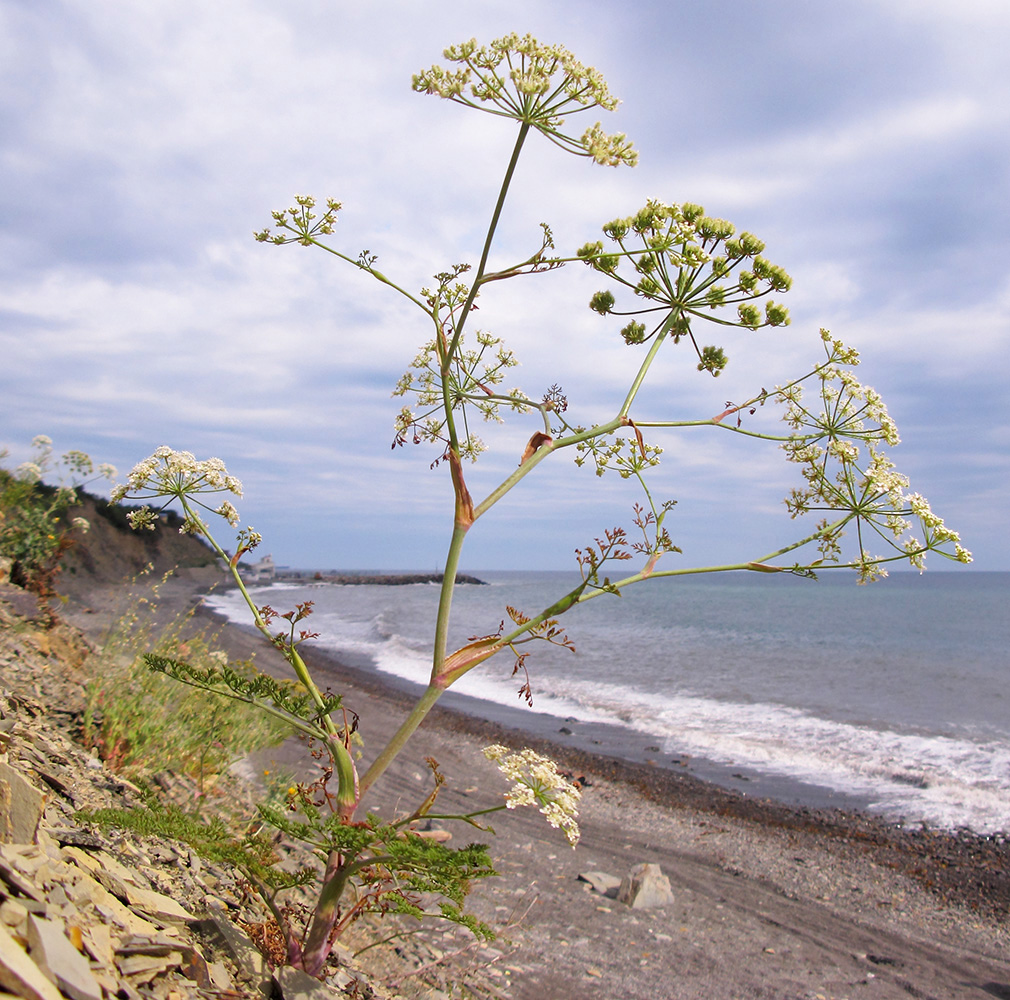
[(867, 142)]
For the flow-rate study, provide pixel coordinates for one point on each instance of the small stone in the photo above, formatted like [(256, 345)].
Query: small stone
[(157, 905), (246, 955), (601, 882), (98, 943), (57, 896), (645, 886), (14, 914), (297, 985), (143, 968), (85, 888), (31, 899), (20, 975), (220, 977)]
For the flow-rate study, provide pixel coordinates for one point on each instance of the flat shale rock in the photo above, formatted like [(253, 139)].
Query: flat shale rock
[(21, 806)]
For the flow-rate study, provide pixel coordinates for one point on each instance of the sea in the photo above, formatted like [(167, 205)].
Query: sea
[(892, 697)]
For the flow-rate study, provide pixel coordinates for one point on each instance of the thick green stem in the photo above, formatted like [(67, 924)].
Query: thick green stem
[(424, 705), (324, 917), (439, 683), (646, 365), (464, 515), (534, 460)]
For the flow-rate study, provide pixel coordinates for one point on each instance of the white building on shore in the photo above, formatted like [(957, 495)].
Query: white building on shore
[(263, 571)]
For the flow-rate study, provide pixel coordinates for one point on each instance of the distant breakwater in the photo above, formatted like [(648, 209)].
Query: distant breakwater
[(377, 579)]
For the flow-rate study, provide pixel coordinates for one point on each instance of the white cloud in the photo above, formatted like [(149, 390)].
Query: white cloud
[(146, 143)]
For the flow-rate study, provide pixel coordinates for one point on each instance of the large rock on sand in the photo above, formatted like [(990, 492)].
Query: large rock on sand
[(645, 886)]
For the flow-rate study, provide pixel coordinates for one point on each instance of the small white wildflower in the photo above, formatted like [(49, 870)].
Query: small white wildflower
[(229, 513), (178, 474), (192, 526), (29, 472), (537, 782), (870, 568), (533, 83), (844, 451), (142, 518), (81, 524)]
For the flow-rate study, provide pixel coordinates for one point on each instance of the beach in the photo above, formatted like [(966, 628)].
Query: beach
[(769, 900)]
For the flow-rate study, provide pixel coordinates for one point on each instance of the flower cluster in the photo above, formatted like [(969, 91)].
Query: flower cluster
[(686, 265), (77, 463), (29, 472), (178, 475), (536, 84), (852, 485), (33, 530), (537, 782), (470, 383), (302, 222), (610, 454)]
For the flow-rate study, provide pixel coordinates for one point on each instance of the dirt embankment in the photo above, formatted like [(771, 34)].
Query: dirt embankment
[(110, 552)]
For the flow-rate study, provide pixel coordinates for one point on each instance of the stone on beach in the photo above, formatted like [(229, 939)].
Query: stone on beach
[(601, 882), (645, 886)]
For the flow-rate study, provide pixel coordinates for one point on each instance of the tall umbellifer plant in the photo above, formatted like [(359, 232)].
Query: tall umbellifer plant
[(668, 271)]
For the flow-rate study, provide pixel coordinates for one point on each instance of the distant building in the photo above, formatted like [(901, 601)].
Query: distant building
[(263, 571)]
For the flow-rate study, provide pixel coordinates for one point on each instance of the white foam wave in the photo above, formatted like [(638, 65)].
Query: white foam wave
[(946, 781)]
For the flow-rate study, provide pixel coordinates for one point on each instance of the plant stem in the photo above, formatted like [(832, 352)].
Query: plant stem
[(343, 763), (378, 766), (499, 205), (445, 598), (647, 364)]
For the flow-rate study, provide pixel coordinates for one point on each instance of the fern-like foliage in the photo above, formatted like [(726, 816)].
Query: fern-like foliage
[(254, 854), (286, 700), (391, 869)]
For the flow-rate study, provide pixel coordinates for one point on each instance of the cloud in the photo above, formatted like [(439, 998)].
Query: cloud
[(142, 146)]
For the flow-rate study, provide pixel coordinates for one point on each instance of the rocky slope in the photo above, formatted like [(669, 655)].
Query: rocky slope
[(85, 915), (90, 916)]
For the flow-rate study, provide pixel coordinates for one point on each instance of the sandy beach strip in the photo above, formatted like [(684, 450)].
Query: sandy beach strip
[(770, 900)]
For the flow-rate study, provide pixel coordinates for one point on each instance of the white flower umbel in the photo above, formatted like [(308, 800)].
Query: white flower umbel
[(537, 782), (178, 475), (848, 475), (536, 84)]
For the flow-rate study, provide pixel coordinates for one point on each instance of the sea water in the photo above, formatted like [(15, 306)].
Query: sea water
[(892, 696)]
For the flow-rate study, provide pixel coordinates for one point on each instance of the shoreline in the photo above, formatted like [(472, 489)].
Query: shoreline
[(807, 901), (668, 788)]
